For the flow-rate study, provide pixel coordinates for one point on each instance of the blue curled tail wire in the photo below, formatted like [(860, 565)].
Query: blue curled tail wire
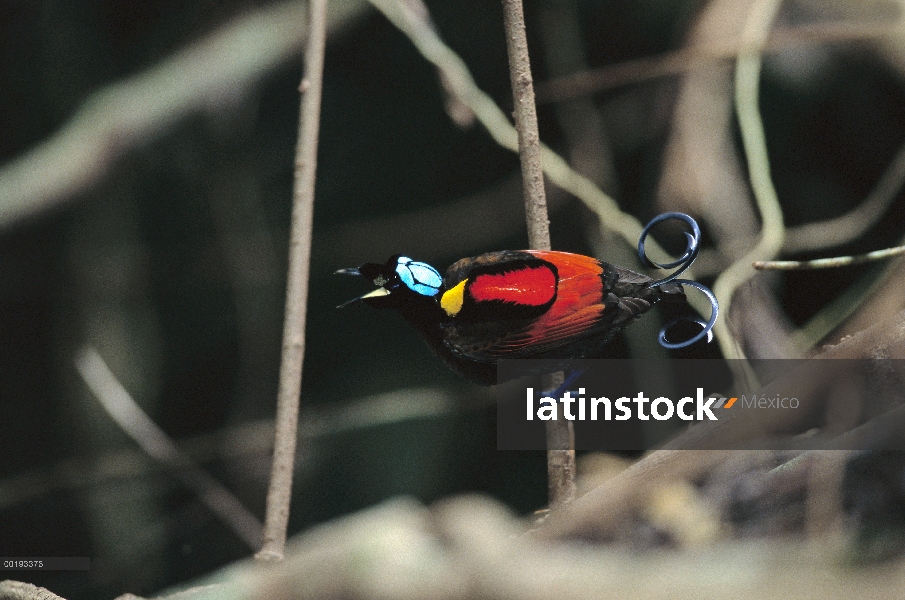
[(681, 264)]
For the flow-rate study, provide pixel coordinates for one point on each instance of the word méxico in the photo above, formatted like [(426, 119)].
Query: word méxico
[(661, 408)]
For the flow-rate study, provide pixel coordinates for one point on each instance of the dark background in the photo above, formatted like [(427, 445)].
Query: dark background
[(173, 265)]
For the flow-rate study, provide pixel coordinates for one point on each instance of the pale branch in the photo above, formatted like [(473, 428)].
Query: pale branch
[(828, 263), (703, 56), (747, 88), (279, 494), (525, 113), (205, 76), (123, 409)]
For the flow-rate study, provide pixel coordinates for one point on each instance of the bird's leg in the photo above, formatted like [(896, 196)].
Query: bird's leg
[(564, 387)]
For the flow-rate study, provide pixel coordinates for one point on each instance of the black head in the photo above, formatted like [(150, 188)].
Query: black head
[(401, 282)]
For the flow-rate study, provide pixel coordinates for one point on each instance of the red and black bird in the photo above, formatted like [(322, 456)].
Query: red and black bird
[(514, 304)]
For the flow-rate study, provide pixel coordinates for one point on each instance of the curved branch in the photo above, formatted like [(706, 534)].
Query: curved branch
[(747, 86), (855, 223)]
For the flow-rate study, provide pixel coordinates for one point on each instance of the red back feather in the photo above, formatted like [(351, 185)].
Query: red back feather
[(532, 286), (579, 302)]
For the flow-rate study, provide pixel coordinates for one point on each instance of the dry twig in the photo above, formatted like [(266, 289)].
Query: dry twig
[(525, 114), (828, 263), (204, 76), (560, 435), (279, 493), (601, 510), (694, 57), (119, 404), (747, 86)]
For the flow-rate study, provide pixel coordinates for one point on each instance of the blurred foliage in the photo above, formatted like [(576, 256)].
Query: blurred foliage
[(174, 265)]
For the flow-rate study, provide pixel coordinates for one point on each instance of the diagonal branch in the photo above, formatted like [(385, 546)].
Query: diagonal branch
[(118, 403), (126, 114)]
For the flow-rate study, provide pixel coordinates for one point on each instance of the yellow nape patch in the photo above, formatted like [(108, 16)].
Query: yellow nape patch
[(452, 299)]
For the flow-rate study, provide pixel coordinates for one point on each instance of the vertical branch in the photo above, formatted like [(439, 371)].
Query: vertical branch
[(280, 492), (560, 435), (525, 113)]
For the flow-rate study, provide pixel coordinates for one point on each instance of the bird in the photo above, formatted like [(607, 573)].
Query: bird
[(514, 304)]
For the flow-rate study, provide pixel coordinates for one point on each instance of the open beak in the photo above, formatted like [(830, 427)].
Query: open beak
[(375, 294)]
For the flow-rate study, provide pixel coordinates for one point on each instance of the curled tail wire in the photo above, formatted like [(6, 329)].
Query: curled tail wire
[(681, 264)]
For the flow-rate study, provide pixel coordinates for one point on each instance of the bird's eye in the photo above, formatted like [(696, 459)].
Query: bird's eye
[(418, 276)]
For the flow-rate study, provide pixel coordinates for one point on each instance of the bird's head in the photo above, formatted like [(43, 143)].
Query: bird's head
[(401, 283)]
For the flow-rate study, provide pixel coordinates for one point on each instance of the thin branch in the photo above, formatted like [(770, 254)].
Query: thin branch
[(839, 310), (693, 58), (828, 263), (747, 87), (603, 510), (252, 439), (852, 225), (460, 114), (560, 435), (525, 114), (205, 76), (837, 231), (118, 403), (279, 494)]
